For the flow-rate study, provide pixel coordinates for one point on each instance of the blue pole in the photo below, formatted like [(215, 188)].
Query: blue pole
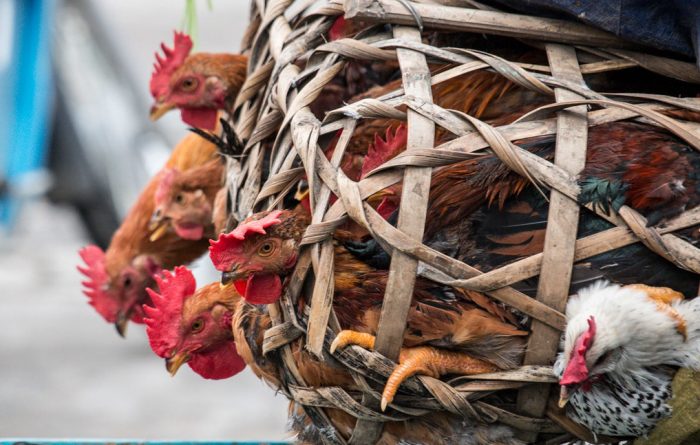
[(26, 91)]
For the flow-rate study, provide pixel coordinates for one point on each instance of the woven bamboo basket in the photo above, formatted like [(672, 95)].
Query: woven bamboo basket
[(290, 63)]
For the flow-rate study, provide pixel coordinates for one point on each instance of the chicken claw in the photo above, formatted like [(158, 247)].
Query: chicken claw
[(433, 362), (345, 338), (425, 360)]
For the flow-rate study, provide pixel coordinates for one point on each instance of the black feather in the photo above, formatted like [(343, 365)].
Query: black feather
[(229, 144)]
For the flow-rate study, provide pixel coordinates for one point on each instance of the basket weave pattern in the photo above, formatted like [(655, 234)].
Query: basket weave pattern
[(272, 115)]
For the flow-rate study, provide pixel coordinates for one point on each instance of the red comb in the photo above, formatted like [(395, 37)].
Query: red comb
[(577, 371), (95, 287), (382, 150), (223, 252), (337, 30), (387, 207), (163, 322), (166, 182), (164, 67)]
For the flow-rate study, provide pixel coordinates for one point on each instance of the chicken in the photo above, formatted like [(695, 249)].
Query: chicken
[(202, 84), (447, 332), (205, 316), (485, 215), (482, 94), (199, 84), (217, 334), (117, 279), (183, 201), (621, 346), (630, 164)]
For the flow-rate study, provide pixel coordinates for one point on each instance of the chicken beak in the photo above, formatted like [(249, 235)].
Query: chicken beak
[(564, 396), (159, 109), (229, 277), (156, 220), (158, 232), (224, 286), (301, 194), (173, 363), (122, 323)]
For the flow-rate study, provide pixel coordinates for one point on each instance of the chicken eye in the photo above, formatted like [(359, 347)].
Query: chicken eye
[(197, 325), (266, 249), (602, 359), (189, 84), (127, 281), (179, 198)]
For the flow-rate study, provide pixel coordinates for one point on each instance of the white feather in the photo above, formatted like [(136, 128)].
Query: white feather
[(629, 321)]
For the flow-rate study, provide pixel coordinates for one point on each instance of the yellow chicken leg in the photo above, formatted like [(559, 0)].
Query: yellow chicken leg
[(425, 360), (345, 338)]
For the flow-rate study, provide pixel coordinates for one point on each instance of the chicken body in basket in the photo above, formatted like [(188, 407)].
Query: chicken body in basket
[(261, 252)]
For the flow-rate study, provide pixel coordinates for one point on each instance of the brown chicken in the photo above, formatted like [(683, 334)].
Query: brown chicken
[(631, 164), (117, 279), (184, 201), (217, 333), (482, 94), (198, 84), (264, 248), (202, 84), (485, 215)]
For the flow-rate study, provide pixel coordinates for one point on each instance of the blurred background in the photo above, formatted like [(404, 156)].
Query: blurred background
[(76, 146)]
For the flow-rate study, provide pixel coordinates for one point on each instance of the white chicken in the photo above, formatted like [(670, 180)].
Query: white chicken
[(620, 348)]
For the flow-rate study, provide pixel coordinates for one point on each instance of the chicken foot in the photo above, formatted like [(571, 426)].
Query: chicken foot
[(424, 360)]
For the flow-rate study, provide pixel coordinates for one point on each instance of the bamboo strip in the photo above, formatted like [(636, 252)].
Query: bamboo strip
[(490, 22), (562, 225), (412, 211)]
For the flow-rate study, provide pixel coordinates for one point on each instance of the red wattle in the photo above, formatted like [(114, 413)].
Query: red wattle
[(204, 118), (189, 231), (220, 363), (240, 286), (263, 288)]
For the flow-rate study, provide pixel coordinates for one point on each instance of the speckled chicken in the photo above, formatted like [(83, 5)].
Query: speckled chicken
[(621, 348)]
